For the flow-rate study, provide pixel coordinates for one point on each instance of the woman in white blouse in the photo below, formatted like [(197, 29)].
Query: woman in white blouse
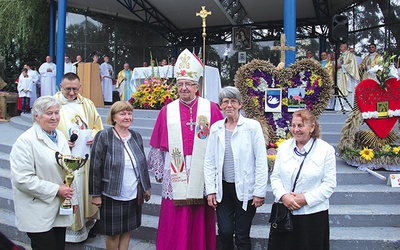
[(235, 171), (309, 202)]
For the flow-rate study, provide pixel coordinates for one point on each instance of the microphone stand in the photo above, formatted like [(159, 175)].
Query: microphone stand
[(87, 58)]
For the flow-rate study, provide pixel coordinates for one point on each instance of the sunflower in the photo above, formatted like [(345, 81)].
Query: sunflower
[(396, 150), (367, 153), (152, 103)]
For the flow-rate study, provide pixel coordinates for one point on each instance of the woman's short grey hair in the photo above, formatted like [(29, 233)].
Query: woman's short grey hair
[(229, 92), (42, 104)]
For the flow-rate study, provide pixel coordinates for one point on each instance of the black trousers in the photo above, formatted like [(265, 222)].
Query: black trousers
[(50, 240), (310, 232), (232, 219)]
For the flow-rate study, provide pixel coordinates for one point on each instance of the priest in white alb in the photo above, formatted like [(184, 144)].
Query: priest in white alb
[(347, 77), (68, 66), (178, 146), (48, 77), (106, 72), (79, 116)]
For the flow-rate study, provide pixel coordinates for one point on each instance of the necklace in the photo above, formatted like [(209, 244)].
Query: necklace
[(190, 123)]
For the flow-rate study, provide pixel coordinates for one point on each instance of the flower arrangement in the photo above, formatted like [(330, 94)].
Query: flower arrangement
[(255, 77), (385, 70), (386, 155), (362, 148), (272, 150), (154, 93)]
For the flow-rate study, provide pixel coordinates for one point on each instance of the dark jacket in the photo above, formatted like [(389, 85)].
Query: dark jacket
[(107, 162)]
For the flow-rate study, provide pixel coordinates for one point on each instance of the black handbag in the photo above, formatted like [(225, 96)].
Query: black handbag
[(281, 217)]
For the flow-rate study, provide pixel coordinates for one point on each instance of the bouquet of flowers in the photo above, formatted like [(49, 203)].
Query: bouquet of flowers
[(154, 93), (384, 71)]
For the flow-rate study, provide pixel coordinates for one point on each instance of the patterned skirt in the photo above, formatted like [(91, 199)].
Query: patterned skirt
[(118, 217)]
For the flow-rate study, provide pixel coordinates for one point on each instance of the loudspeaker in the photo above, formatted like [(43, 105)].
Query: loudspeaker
[(339, 29)]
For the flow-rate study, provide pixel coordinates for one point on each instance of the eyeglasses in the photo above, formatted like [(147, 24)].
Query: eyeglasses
[(69, 89), (187, 84), (233, 102)]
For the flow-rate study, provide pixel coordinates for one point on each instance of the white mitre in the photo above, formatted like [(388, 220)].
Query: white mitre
[(189, 66)]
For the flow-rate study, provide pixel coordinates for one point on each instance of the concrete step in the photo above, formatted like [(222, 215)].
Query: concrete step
[(332, 117), (343, 194), (5, 178), (144, 120), (331, 127), (349, 238), (332, 138), (28, 118), (358, 218), (7, 227), (365, 215), (98, 243), (4, 160), (19, 123), (346, 175), (8, 138)]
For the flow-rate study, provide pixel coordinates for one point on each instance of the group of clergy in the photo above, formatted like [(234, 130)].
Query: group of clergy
[(350, 70)]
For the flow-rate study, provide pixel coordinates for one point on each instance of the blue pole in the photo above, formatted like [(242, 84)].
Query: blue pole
[(52, 30), (289, 27), (62, 14)]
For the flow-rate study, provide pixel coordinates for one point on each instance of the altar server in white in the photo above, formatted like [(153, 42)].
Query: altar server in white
[(35, 81)]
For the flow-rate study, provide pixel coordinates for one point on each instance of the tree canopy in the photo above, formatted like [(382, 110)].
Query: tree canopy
[(24, 33)]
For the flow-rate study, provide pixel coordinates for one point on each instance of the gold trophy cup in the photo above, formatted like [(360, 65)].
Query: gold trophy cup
[(70, 163)]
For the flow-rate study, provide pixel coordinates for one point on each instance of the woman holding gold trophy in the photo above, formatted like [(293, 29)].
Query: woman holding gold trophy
[(118, 176), (37, 179)]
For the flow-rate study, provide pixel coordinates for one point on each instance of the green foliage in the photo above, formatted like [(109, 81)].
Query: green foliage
[(24, 36)]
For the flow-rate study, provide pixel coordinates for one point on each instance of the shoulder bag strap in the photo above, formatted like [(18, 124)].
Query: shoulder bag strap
[(301, 165)]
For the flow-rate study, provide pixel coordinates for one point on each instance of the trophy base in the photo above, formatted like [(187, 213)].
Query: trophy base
[(66, 211)]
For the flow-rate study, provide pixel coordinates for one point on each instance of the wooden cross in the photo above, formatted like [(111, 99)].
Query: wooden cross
[(283, 47)]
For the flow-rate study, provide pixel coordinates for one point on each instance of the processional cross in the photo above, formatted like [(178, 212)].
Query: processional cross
[(283, 47), (203, 14)]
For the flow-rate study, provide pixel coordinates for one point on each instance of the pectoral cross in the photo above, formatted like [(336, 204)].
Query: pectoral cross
[(283, 47), (190, 123)]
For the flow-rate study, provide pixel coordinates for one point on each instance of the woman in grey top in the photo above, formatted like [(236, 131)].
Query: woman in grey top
[(118, 169)]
